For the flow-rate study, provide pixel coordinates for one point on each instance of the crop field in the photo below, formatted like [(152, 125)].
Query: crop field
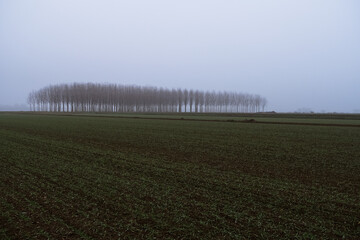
[(201, 176)]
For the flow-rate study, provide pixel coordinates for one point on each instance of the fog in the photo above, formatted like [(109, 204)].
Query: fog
[(298, 54)]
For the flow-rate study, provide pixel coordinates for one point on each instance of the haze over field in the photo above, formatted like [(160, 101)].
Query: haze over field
[(299, 55)]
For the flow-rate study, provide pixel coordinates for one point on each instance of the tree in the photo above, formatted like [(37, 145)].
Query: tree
[(186, 98), (90, 97), (191, 99)]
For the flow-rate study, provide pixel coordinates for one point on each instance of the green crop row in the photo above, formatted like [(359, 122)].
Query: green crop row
[(108, 177)]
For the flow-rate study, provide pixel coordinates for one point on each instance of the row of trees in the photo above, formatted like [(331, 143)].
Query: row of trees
[(90, 97)]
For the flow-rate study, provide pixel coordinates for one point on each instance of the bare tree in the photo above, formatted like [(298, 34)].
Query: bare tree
[(191, 99), (186, 98), (90, 97)]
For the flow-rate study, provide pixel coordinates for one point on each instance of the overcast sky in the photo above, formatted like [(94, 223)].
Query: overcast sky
[(297, 54)]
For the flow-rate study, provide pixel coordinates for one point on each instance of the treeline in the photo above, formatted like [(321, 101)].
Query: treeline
[(90, 97)]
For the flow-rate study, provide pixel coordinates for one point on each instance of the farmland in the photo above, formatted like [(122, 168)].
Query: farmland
[(189, 176)]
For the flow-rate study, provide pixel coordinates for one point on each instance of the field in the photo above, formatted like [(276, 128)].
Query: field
[(190, 176)]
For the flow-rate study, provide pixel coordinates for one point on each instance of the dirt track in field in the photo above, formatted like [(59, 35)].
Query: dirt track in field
[(251, 120)]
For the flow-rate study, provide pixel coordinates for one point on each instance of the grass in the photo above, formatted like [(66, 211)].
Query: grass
[(124, 177)]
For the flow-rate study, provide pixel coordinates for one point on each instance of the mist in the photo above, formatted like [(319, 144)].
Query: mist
[(299, 55)]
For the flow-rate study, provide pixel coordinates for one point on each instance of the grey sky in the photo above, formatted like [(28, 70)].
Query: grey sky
[(297, 54)]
